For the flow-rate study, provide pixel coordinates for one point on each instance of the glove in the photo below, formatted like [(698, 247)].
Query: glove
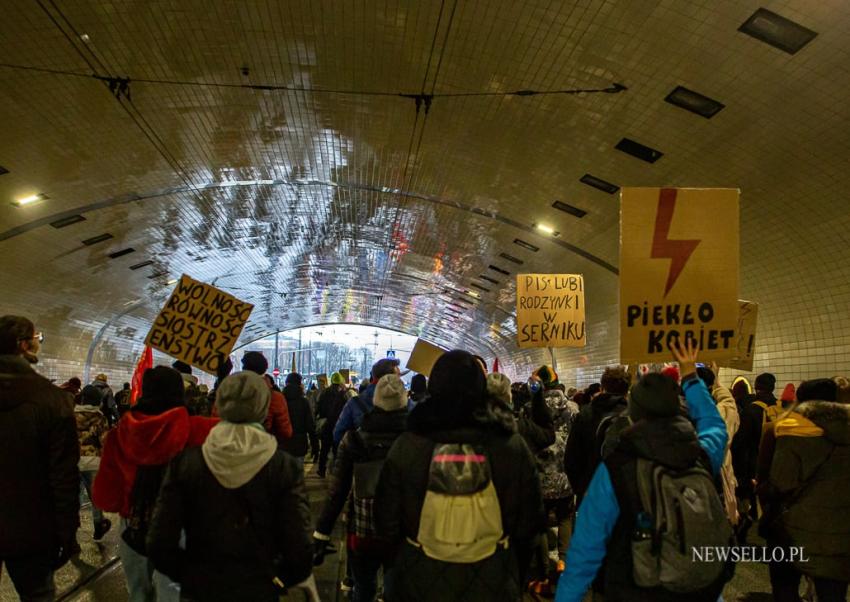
[(321, 547), (65, 552)]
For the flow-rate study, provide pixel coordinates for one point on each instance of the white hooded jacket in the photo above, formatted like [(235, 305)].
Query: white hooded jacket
[(235, 453)]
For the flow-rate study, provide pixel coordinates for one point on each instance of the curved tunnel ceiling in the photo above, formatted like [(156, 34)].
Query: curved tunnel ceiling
[(372, 162)]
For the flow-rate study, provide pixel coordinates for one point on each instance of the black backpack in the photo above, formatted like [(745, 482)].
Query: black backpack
[(142, 502)]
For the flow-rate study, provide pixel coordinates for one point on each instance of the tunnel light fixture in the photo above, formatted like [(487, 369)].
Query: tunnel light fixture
[(480, 288), (526, 245), (599, 183), (638, 150), (174, 281), (139, 266), (547, 229), (29, 200), (569, 209), (473, 294), (96, 239), (694, 102), (488, 279), (496, 268), (510, 258), (121, 253), (67, 221), (156, 275), (776, 30)]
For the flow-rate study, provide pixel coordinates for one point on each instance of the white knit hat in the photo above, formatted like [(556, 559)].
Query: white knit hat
[(390, 394), (499, 387)]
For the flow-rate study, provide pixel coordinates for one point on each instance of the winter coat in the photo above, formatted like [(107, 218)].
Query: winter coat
[(142, 440), (39, 479), (372, 441), (583, 453), (303, 426), (745, 444), (277, 421), (329, 407), (108, 405), (809, 474), (242, 504), (401, 493), (606, 516), (91, 427), (535, 425), (553, 478), (352, 413), (729, 412)]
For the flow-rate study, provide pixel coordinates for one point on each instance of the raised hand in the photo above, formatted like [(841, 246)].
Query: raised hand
[(686, 355)]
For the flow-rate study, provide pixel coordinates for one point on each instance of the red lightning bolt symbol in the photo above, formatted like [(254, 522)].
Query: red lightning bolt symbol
[(678, 251)]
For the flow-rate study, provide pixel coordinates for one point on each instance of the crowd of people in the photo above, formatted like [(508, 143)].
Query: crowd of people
[(465, 487)]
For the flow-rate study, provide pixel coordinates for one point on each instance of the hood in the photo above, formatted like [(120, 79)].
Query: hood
[(556, 400), (85, 408), (235, 453), (606, 402), (379, 421), (669, 441), (832, 417), (430, 415), (151, 440)]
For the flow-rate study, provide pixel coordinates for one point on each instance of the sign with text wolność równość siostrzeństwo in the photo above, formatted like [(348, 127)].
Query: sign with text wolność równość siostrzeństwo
[(550, 310), (198, 324), (678, 271)]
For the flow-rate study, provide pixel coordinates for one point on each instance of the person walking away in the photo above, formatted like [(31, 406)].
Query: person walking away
[(108, 405), (458, 496), (360, 405), (418, 390), (277, 421), (241, 502), (196, 400), (39, 478), (91, 428), (122, 399), (132, 466), (303, 426), (74, 386), (331, 402), (809, 491), (661, 461), (355, 477)]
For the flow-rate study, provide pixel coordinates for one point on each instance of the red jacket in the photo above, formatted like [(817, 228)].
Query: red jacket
[(277, 421), (143, 440)]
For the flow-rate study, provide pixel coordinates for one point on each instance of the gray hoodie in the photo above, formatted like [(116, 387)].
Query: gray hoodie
[(235, 453)]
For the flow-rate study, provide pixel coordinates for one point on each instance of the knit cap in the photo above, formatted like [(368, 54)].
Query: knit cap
[(499, 388), (654, 396), (390, 394), (243, 397)]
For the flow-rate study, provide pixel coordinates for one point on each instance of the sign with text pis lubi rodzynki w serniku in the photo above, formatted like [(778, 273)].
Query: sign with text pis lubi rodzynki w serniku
[(678, 271), (550, 310), (198, 324)]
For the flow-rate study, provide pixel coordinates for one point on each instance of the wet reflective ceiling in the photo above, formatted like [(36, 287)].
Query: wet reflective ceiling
[(374, 162)]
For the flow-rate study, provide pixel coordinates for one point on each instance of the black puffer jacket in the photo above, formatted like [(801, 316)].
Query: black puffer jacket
[(225, 558), (371, 441), (303, 425), (401, 492), (39, 480)]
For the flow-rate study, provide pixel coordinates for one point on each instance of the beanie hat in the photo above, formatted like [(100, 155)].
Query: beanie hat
[(293, 379), (255, 362), (499, 388), (547, 376), (162, 387), (390, 394), (418, 384), (788, 393), (182, 367), (337, 379), (101, 377), (818, 389), (243, 397), (672, 372), (766, 382), (654, 396)]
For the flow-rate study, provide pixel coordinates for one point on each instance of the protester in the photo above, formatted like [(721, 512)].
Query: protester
[(240, 501), (303, 426), (331, 402), (535, 426), (39, 478), (454, 447), (74, 386), (196, 400), (122, 399), (277, 422), (356, 407), (108, 405), (621, 519), (418, 389), (809, 491), (132, 466), (91, 428), (355, 476)]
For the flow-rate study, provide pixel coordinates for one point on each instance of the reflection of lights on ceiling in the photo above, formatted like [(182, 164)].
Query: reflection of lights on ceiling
[(170, 282), (473, 294), (29, 200), (546, 229)]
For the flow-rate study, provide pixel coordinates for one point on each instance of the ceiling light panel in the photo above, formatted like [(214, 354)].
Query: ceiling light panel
[(67, 221), (139, 266), (638, 150), (569, 209), (776, 30), (599, 183), (96, 239), (510, 258), (526, 245), (694, 102), (121, 253)]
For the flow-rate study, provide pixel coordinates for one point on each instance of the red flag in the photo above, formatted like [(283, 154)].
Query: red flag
[(145, 362), (496, 365)]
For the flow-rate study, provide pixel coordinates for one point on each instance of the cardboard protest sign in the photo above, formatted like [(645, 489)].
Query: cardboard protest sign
[(198, 323), (423, 357), (346, 375), (678, 271), (745, 338), (550, 310)]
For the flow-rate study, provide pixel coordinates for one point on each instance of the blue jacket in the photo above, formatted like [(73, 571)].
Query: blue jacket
[(352, 415), (599, 510)]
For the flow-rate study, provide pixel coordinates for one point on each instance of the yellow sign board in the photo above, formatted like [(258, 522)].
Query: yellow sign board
[(198, 324), (745, 338), (423, 357), (550, 310), (678, 271)]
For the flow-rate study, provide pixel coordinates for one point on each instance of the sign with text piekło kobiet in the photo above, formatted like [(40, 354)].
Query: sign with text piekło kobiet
[(550, 310), (198, 324), (678, 271)]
